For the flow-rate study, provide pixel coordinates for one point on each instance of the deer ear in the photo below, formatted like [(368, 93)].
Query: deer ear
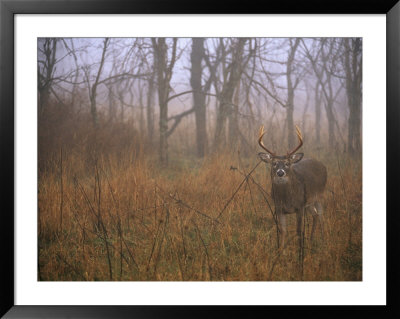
[(296, 157), (265, 157)]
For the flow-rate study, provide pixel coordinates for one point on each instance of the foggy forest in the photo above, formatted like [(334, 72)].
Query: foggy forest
[(149, 165)]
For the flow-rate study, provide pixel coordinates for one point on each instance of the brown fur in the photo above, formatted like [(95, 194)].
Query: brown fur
[(297, 188)]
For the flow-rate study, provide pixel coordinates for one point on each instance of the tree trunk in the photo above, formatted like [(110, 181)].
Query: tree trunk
[(354, 134), (110, 104), (93, 111), (290, 122), (150, 110), (219, 137), (233, 119), (162, 99), (353, 69), (290, 89), (44, 95), (317, 115), (93, 91), (121, 104), (45, 76), (225, 105), (141, 112), (199, 98), (163, 152), (75, 85), (201, 131), (164, 74), (331, 123)]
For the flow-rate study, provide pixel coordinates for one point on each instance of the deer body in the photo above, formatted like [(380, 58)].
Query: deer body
[(307, 181), (297, 186)]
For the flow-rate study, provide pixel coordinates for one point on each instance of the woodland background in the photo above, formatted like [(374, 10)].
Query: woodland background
[(145, 144)]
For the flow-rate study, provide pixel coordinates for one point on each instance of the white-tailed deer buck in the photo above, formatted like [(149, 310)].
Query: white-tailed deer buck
[(297, 186)]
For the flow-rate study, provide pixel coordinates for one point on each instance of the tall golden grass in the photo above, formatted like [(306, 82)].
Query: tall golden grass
[(108, 211)]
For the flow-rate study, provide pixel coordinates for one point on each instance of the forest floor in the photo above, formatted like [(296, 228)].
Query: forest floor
[(119, 216)]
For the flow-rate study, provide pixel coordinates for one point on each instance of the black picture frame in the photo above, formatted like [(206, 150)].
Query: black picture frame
[(9, 8)]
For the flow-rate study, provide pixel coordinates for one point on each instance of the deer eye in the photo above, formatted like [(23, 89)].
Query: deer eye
[(275, 164), (287, 164)]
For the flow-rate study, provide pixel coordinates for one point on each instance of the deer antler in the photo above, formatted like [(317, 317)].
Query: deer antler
[(300, 142), (261, 133)]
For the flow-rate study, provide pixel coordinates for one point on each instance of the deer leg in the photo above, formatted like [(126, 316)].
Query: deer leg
[(300, 234), (315, 219), (316, 211), (314, 224), (319, 210), (282, 228)]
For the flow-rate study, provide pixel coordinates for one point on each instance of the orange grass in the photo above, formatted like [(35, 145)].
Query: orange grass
[(107, 211)]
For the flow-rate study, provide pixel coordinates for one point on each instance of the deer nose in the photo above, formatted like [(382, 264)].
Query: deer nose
[(280, 172)]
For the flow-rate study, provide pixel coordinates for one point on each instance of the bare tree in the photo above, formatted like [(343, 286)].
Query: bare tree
[(231, 76), (199, 97), (291, 87), (163, 68), (111, 103), (71, 50), (247, 81), (146, 57), (46, 69), (150, 108), (323, 61), (279, 78), (352, 61), (92, 87), (317, 103)]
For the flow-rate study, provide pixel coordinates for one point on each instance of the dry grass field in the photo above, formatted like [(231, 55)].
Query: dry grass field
[(108, 211)]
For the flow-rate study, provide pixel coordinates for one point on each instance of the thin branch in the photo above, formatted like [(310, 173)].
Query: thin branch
[(240, 185)]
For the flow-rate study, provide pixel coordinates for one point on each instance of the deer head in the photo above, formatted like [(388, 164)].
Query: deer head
[(280, 164)]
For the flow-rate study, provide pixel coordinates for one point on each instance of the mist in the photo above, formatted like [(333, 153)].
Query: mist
[(221, 89)]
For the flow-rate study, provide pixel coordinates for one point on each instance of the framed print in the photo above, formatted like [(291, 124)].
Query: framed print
[(159, 159)]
